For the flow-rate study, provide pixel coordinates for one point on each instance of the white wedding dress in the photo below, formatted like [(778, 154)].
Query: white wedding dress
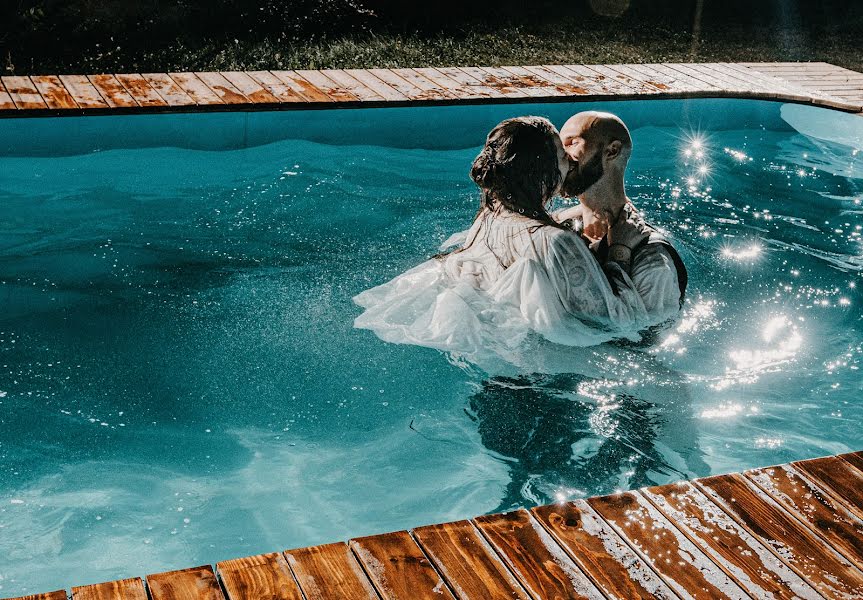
[(509, 278)]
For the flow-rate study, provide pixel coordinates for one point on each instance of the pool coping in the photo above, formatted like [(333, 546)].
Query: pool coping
[(814, 83), (792, 530)]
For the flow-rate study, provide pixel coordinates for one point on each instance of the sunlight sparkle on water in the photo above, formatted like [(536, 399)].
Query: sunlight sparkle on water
[(750, 252)]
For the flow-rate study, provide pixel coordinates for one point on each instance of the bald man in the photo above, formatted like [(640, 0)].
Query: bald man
[(599, 146)]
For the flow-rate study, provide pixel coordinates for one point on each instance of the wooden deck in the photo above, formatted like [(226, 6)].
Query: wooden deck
[(790, 531), (821, 84)]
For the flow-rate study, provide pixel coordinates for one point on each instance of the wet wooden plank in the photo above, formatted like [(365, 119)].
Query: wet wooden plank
[(407, 89), (831, 574), (53, 92), (84, 93), (854, 458), (23, 92), (303, 87), (330, 571), (333, 90), (360, 89), (530, 82), (465, 81), (609, 562), (429, 90), (122, 589), (541, 566), (261, 577), (141, 90), (224, 89), (649, 78), (167, 89), (564, 85), (838, 477), (467, 562), (750, 563), (398, 568), (249, 88), (633, 84), (112, 91), (278, 88), (58, 595), (592, 81), (197, 583), (705, 75), (816, 508), (500, 88), (670, 553), (386, 84), (196, 89), (695, 85), (5, 99)]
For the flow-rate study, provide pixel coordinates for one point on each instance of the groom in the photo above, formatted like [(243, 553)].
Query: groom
[(599, 145)]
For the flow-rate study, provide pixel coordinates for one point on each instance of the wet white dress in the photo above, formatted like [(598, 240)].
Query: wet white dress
[(510, 277)]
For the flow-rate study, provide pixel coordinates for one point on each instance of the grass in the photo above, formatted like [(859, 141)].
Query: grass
[(565, 41)]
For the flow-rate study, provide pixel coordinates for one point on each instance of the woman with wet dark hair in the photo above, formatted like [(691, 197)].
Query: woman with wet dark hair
[(517, 271)]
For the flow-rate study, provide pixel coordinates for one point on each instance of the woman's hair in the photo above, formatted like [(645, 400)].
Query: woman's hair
[(518, 168)]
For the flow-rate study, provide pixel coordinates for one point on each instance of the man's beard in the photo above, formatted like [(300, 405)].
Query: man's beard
[(581, 178)]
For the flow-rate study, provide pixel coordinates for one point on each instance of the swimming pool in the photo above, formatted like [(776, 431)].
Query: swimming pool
[(180, 381)]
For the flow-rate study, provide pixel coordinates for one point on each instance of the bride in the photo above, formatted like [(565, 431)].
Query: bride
[(518, 273)]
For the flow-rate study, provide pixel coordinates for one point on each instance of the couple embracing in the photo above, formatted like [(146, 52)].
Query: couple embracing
[(580, 276)]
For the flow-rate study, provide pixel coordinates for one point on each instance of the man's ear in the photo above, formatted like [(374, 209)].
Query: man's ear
[(612, 150)]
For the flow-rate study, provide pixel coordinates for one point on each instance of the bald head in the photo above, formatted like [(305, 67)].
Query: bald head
[(599, 131)]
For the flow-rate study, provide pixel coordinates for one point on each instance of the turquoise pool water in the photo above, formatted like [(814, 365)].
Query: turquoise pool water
[(180, 382)]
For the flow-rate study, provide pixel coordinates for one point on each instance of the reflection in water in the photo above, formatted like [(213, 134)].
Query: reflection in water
[(570, 435)]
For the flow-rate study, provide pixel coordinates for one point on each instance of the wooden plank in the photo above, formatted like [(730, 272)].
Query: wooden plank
[(830, 573), (112, 91), (723, 84), (429, 90), (653, 80), (249, 88), (302, 86), (673, 82), (854, 458), (592, 81), (609, 562), (809, 503), (261, 577), (141, 90), (398, 568), (631, 84), (22, 92), (123, 589), (276, 87), (336, 92), (167, 89), (383, 88), (196, 89), (670, 553), (540, 565), (53, 92), (223, 88), (692, 82), (530, 82), (753, 567), (330, 571), (5, 99), (499, 87), (58, 595), (402, 86), (361, 90), (564, 85), (467, 562), (463, 80), (838, 477), (85, 95), (197, 583)]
